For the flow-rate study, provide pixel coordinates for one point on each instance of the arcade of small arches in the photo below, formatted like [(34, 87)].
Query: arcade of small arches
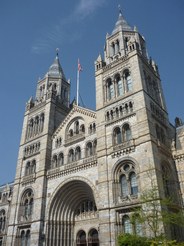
[(31, 149), (125, 225), (87, 238), (152, 88), (75, 129), (25, 237), (74, 154), (35, 126), (157, 112), (119, 111), (115, 47), (117, 86), (122, 134), (160, 134)]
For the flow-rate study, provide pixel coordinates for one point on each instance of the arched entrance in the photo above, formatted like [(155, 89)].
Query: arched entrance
[(72, 207), (93, 239), (81, 239)]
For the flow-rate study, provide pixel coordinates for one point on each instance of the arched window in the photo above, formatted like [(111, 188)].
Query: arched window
[(128, 81), (90, 129), (127, 224), (33, 166), (26, 205), (162, 136), (131, 106), (71, 133), (82, 238), (31, 206), (71, 155), (110, 89), (94, 147), (126, 132), (118, 46), (26, 208), (138, 226), (89, 149), (78, 153), (22, 238), (77, 127), (133, 184), (28, 238), (82, 128), (28, 171), (55, 162), (124, 185), (165, 179), (120, 89), (117, 136), (121, 111), (113, 49), (61, 159)]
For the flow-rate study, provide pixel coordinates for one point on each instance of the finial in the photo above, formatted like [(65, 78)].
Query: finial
[(119, 7), (57, 51)]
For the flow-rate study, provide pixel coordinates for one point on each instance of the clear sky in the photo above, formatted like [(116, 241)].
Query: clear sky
[(30, 32)]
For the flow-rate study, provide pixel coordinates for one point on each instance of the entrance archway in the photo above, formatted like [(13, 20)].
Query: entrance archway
[(71, 205)]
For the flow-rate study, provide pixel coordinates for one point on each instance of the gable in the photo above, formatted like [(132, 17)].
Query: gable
[(83, 116)]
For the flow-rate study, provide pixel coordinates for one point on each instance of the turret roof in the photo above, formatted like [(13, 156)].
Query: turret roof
[(123, 23), (55, 69)]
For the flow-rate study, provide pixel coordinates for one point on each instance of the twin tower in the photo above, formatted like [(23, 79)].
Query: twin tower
[(80, 172)]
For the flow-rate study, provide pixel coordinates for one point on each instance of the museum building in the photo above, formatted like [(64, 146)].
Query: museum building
[(80, 172)]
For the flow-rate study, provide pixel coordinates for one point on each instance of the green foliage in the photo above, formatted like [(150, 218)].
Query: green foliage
[(135, 240), (132, 240)]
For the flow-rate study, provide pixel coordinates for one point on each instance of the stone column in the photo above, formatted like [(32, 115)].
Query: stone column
[(50, 233)]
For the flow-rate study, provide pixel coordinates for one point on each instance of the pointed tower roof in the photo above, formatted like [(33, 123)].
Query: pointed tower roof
[(55, 69), (121, 23)]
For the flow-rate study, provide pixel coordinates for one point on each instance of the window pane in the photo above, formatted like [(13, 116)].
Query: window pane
[(133, 184), (111, 91), (124, 186), (26, 208), (127, 225), (120, 90), (129, 83), (22, 239), (138, 227), (31, 206), (28, 238)]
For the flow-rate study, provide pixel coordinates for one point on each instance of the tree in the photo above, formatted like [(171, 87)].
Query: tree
[(158, 207)]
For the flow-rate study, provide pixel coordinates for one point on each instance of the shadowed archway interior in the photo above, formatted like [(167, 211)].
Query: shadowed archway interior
[(63, 211)]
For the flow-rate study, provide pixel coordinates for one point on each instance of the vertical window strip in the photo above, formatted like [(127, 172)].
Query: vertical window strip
[(124, 186)]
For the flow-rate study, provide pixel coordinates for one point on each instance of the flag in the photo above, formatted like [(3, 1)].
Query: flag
[(79, 66)]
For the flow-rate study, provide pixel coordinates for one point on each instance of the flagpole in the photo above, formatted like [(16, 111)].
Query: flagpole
[(77, 86)]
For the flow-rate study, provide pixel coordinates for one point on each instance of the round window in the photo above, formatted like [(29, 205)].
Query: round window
[(126, 168)]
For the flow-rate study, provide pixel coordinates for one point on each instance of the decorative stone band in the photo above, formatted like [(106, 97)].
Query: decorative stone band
[(73, 167), (74, 139), (123, 148), (28, 179)]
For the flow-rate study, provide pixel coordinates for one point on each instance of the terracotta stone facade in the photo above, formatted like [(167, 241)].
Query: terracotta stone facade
[(80, 172)]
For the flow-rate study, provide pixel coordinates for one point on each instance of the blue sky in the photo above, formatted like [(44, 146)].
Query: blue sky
[(30, 32)]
